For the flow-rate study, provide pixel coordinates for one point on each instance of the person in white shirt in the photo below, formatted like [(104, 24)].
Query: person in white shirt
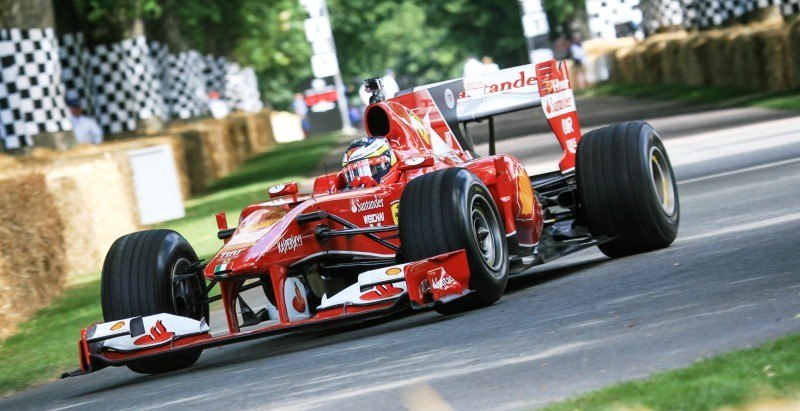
[(390, 87), (85, 128), (216, 105), (472, 67), (489, 66)]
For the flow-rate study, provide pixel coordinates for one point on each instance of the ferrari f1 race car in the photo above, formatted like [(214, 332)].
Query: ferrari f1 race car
[(414, 220)]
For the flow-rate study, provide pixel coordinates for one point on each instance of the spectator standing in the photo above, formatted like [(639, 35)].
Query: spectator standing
[(390, 87), (578, 55), (301, 109), (216, 105), (472, 67), (489, 66), (85, 128)]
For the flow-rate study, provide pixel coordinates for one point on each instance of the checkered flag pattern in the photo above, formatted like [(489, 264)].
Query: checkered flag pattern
[(75, 70), (185, 91), (31, 92), (605, 15), (214, 73), (665, 13), (119, 84), (241, 89), (706, 13), (125, 85)]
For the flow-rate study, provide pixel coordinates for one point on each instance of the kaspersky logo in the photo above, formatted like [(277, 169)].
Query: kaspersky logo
[(358, 206), (289, 244)]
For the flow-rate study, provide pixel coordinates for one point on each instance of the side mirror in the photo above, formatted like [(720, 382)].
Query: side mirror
[(416, 162), (282, 190)]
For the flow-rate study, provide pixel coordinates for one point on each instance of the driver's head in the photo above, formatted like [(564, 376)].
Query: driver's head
[(368, 156)]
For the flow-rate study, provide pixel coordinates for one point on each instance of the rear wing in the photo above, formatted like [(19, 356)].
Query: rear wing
[(545, 85), (490, 94)]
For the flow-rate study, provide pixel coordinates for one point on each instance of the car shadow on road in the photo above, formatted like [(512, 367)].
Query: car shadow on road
[(545, 274), (216, 359)]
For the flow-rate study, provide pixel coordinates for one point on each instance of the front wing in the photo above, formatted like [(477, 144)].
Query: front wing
[(380, 292)]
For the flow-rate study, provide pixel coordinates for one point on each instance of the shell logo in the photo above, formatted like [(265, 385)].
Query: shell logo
[(394, 271), (117, 325), (421, 129), (524, 195)]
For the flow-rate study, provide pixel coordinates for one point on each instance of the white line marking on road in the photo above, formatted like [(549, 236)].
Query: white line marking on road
[(462, 370), (179, 401), (740, 171), (66, 407), (745, 227)]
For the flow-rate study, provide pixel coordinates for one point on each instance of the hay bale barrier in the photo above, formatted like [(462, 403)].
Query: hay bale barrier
[(60, 211), (95, 200), (760, 56), (32, 248)]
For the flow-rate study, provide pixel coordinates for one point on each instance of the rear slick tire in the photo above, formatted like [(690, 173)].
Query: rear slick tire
[(137, 280), (449, 210), (626, 189)]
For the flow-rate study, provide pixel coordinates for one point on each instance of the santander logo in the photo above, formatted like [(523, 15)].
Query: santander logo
[(358, 206)]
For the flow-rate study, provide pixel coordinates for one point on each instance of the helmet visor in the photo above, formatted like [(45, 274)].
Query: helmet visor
[(374, 167)]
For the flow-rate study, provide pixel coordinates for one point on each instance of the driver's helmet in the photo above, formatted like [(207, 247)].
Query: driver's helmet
[(368, 156)]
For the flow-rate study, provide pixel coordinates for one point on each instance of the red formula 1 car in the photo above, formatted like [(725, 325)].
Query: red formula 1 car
[(414, 220)]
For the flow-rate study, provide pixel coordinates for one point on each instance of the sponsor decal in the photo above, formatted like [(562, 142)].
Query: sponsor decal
[(230, 254), (381, 291), (117, 325), (223, 267), (449, 98), (298, 302), (444, 282), (396, 211), (373, 219), (358, 206), (158, 334), (524, 195), (394, 271), (478, 87), (289, 244), (420, 127), (572, 145), (558, 103), (566, 126)]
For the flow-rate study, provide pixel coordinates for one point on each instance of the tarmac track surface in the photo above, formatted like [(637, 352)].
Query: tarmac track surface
[(731, 280)]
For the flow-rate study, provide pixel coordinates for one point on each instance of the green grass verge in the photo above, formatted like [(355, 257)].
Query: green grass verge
[(247, 185), (771, 371), (789, 100), (46, 345)]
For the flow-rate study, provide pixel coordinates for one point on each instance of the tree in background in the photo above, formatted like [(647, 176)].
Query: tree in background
[(564, 16)]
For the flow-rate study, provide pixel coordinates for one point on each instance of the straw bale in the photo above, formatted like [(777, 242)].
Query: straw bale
[(745, 64), (199, 167), (671, 63), (239, 136), (689, 60), (95, 199), (718, 61), (259, 129), (31, 249), (622, 70), (652, 68), (772, 54), (793, 44)]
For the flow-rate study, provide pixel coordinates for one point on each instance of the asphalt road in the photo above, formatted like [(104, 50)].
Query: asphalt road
[(731, 280)]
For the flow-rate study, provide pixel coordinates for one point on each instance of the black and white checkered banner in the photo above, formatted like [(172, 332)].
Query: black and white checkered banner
[(706, 13), (119, 84), (31, 91)]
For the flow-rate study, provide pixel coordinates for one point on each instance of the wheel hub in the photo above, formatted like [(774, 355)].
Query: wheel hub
[(662, 180)]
